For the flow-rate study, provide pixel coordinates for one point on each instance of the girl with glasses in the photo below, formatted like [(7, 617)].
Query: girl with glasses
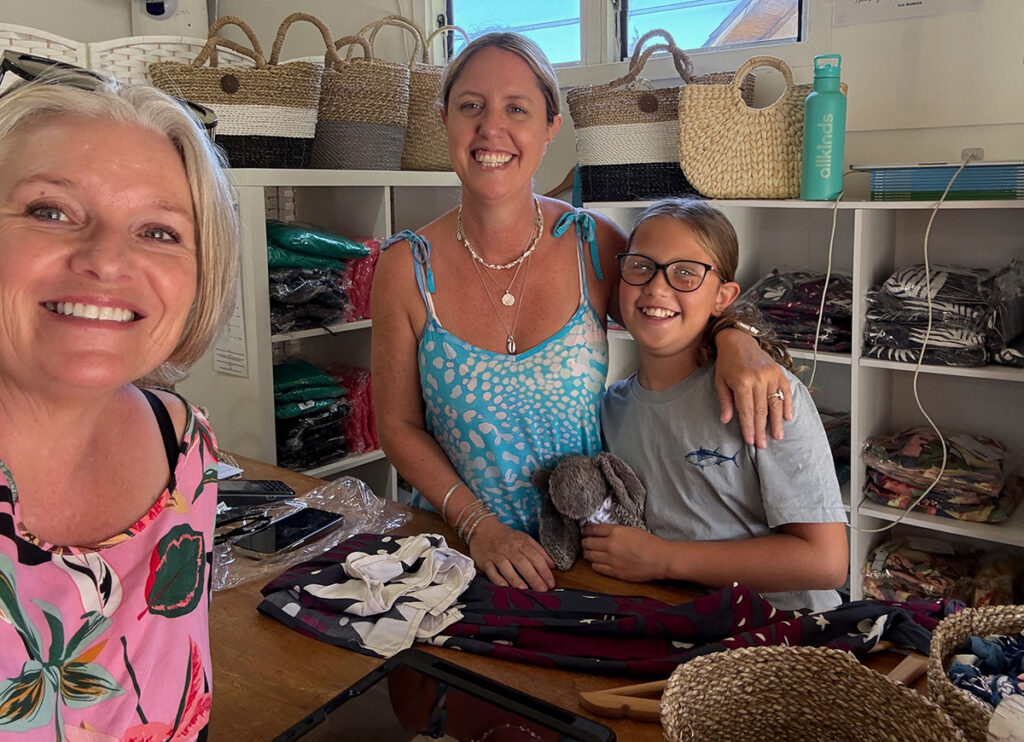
[(719, 510)]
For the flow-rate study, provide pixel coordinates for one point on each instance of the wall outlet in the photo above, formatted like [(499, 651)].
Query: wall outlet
[(975, 154)]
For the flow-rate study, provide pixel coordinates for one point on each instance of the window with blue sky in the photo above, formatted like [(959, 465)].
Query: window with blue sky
[(694, 24)]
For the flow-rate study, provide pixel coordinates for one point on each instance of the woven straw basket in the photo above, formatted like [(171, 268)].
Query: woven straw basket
[(426, 141), (795, 694), (729, 150), (627, 130), (266, 113), (969, 713), (364, 110)]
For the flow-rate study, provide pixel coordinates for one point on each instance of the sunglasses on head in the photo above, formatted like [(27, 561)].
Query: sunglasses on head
[(29, 67)]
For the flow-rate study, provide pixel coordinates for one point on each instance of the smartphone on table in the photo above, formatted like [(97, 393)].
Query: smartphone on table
[(287, 533), (246, 492)]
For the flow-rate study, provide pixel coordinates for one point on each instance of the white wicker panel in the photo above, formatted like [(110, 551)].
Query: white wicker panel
[(43, 44), (128, 59), (33, 41)]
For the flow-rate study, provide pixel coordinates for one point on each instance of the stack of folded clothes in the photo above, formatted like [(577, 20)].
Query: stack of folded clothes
[(837, 430), (909, 567), (311, 282), (360, 428), (977, 316), (975, 486), (792, 301), (312, 410)]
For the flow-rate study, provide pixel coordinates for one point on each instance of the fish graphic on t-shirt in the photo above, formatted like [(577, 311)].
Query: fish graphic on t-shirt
[(703, 457)]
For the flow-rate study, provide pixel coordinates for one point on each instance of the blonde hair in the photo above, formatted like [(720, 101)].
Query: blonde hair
[(522, 47), (716, 235), (69, 93)]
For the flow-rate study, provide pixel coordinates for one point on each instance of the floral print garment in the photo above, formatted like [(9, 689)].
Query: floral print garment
[(112, 643)]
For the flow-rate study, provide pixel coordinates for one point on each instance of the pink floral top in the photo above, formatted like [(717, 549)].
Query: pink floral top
[(112, 643)]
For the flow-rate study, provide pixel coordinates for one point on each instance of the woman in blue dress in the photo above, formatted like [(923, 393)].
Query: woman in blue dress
[(489, 347)]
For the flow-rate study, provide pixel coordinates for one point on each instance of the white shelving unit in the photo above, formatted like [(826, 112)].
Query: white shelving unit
[(872, 240), (354, 203)]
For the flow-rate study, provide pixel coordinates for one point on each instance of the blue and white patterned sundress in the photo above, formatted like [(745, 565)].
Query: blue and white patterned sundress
[(499, 418)]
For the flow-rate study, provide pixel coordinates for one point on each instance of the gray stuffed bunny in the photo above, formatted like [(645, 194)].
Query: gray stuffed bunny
[(581, 490)]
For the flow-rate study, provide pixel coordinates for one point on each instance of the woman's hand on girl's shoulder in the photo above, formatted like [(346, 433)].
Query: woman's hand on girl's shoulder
[(747, 381)]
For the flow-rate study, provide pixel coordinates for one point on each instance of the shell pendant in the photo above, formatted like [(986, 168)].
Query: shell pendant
[(510, 344), (507, 299)]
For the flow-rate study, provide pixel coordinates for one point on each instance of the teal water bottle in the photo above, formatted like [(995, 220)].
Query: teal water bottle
[(821, 176)]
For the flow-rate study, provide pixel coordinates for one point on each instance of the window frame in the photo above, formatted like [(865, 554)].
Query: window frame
[(602, 43)]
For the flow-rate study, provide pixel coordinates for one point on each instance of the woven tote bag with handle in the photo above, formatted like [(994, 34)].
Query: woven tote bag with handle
[(729, 150), (266, 113), (426, 141), (128, 59), (964, 708), (364, 110), (626, 130), (786, 694)]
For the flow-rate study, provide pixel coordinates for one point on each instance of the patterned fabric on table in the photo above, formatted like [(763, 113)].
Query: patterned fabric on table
[(975, 485), (584, 631), (112, 643), (389, 596)]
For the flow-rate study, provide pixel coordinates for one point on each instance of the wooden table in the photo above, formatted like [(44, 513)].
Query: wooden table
[(266, 677)]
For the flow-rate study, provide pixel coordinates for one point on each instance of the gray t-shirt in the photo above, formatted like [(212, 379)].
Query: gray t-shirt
[(705, 484)]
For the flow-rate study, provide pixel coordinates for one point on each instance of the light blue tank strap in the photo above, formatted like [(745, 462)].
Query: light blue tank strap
[(586, 229), (421, 254)]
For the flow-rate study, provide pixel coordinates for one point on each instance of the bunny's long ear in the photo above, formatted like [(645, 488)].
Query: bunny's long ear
[(560, 536), (626, 487)]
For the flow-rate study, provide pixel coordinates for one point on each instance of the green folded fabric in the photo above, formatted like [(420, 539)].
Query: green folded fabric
[(299, 374), (316, 392), (311, 240), (279, 258), (294, 409)]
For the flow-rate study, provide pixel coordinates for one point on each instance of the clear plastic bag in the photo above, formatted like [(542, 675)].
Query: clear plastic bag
[(363, 511)]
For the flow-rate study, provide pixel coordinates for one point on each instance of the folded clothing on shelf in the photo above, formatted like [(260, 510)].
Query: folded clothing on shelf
[(792, 301), (837, 430), (317, 278), (976, 484), (322, 416), (977, 315), (910, 567)]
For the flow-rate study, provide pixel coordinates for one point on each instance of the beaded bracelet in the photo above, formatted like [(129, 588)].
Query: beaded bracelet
[(725, 323), (469, 535), (462, 510), (471, 519), (461, 525), (447, 496)]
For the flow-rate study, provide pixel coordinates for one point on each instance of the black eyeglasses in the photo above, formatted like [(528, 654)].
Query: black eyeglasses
[(681, 275), (30, 67)]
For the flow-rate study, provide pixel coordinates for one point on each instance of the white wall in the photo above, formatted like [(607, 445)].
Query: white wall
[(919, 89), (81, 20)]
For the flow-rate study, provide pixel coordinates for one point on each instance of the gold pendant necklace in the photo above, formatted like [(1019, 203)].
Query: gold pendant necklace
[(510, 339)]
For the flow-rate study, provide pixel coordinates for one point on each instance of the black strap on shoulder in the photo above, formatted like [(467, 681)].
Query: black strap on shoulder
[(163, 420)]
